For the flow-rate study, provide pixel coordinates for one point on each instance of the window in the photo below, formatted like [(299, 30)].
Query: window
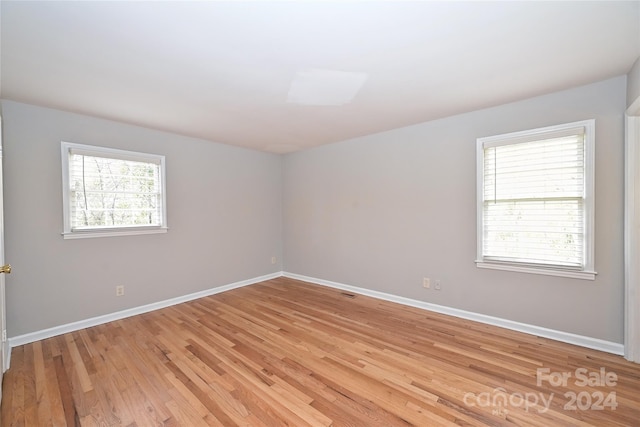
[(535, 201), (109, 192)]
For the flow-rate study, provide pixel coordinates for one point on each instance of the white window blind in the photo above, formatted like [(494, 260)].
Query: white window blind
[(535, 201), (111, 190)]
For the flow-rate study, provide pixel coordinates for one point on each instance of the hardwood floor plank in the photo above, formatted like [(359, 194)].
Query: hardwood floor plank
[(288, 353), (369, 412), (66, 395), (52, 387), (30, 395), (188, 402), (44, 407), (79, 367), (12, 413), (184, 416)]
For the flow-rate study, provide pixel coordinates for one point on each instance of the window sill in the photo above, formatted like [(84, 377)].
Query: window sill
[(112, 233), (583, 275)]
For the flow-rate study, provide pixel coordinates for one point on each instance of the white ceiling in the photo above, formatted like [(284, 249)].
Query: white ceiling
[(223, 71)]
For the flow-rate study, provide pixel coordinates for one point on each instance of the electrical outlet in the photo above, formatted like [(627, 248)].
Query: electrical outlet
[(119, 290), (273, 260), (438, 286), (426, 283)]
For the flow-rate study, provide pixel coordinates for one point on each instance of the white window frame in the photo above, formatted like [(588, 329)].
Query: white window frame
[(587, 272), (90, 150)]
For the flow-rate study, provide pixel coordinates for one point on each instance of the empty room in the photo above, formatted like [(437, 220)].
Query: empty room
[(319, 213)]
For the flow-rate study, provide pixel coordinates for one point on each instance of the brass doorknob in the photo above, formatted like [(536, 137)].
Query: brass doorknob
[(6, 269)]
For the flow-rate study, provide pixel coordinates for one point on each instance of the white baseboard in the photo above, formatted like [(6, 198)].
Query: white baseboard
[(99, 320), (567, 337), (588, 342)]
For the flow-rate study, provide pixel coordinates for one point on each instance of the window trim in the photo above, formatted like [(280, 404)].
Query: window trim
[(587, 272), (89, 150)]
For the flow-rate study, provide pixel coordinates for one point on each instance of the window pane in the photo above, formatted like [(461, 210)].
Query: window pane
[(532, 198), (539, 169), (107, 192), (538, 232)]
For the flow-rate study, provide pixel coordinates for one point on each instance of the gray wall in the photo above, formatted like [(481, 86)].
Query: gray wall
[(383, 211), (224, 214), (633, 83), (380, 212)]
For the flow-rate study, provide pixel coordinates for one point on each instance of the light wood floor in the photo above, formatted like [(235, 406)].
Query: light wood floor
[(284, 352)]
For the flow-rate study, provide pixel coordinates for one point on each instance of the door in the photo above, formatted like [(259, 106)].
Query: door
[(4, 348)]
